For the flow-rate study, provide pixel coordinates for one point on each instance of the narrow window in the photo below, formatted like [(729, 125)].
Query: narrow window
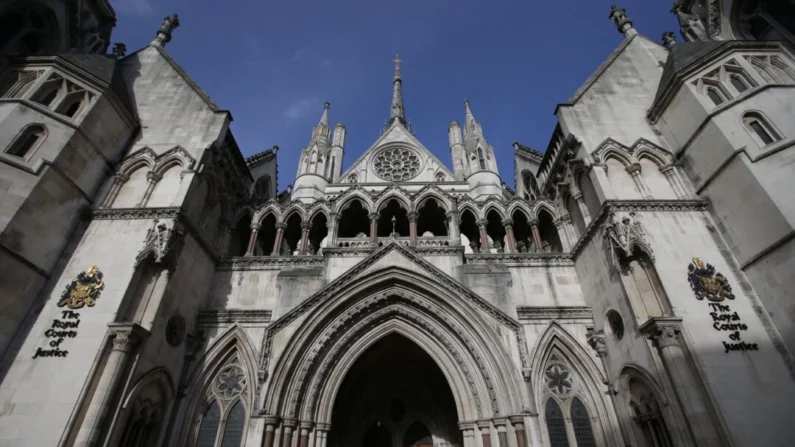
[(481, 159), (28, 140), (756, 124), (233, 431), (556, 426), (583, 433), (738, 83), (72, 109), (209, 426), (715, 96), (48, 98)]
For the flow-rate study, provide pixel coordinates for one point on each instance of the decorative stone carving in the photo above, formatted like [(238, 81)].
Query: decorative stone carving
[(622, 237), (124, 341), (161, 242), (691, 27), (663, 331), (707, 283), (559, 380), (596, 340), (397, 164), (83, 290), (230, 382)]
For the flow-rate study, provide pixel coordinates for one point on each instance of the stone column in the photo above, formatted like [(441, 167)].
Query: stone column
[(151, 180), (468, 430), (321, 434), (565, 231), (518, 427), (502, 433), (277, 241), (413, 216), (333, 224), (536, 235), (226, 236), (118, 181), (669, 171), (252, 240), (270, 426), (303, 246), (586, 215), (664, 333), (634, 170), (534, 427), (484, 237), (485, 432), (508, 225), (287, 432), (306, 427), (125, 337), (453, 227), (373, 228)]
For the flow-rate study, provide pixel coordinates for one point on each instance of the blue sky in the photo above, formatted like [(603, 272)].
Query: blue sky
[(273, 64)]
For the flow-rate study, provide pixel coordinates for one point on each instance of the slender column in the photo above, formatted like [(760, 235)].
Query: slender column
[(534, 426), (373, 228), (518, 428), (270, 426), (586, 215), (664, 333), (564, 229), (252, 240), (453, 229), (304, 244), (333, 224), (468, 430), (508, 224), (277, 242), (321, 433), (670, 174), (502, 433), (287, 432), (484, 237), (485, 432), (536, 235), (413, 216), (151, 180), (306, 427), (596, 339), (125, 337), (118, 181), (634, 170)]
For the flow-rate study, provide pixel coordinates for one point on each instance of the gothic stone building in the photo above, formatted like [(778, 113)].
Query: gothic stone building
[(634, 289)]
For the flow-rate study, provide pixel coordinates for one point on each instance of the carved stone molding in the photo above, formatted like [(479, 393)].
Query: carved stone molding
[(251, 263), (125, 336), (135, 213), (526, 313), (662, 331), (162, 243), (229, 316), (596, 340), (623, 236), (530, 259)]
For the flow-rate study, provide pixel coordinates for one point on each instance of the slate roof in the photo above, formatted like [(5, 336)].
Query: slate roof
[(681, 57), (106, 68)]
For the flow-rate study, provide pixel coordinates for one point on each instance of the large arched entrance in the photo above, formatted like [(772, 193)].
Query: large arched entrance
[(394, 395)]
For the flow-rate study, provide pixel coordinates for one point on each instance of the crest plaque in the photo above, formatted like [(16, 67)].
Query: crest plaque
[(83, 290), (707, 283)]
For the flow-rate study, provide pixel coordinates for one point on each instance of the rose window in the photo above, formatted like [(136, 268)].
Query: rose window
[(559, 380), (397, 164), (230, 382)]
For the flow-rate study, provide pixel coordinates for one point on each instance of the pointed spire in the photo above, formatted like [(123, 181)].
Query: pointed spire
[(324, 117), (397, 96), (471, 125), (163, 37), (623, 23)]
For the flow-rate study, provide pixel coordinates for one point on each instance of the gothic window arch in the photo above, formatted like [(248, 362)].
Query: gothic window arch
[(17, 83), (481, 159), (27, 141), (567, 418), (645, 413), (760, 129), (222, 421), (353, 179), (715, 95)]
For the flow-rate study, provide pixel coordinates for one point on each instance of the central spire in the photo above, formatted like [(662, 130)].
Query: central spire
[(397, 96)]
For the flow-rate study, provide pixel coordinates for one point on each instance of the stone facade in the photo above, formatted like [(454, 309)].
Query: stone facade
[(633, 289)]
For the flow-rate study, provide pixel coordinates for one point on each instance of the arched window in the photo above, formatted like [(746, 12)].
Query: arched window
[(738, 83), (352, 179), (18, 83), (27, 141), (760, 128), (556, 426), (581, 423), (715, 95), (71, 108), (481, 159), (439, 177), (223, 422)]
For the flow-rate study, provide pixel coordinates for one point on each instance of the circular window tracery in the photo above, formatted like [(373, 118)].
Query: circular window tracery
[(397, 164), (559, 380), (230, 382)]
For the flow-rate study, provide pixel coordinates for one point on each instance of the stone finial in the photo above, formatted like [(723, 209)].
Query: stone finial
[(669, 39), (170, 23), (119, 50), (623, 23)]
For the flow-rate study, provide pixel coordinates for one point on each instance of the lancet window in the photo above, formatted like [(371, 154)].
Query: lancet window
[(223, 420)]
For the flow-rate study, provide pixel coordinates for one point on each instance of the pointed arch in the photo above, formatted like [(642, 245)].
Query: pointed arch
[(496, 207), (294, 208), (472, 208), (268, 208), (344, 201), (432, 192), (545, 206), (241, 213), (176, 155), (144, 157), (656, 154), (319, 208), (231, 345), (398, 194), (519, 206)]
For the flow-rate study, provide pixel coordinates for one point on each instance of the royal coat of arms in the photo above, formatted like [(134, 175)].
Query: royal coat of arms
[(83, 290), (706, 283)]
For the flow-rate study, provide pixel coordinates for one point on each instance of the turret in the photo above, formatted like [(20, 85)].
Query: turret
[(479, 162), (457, 151), (337, 153), (312, 176)]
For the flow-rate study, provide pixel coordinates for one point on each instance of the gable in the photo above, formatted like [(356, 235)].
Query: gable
[(369, 168)]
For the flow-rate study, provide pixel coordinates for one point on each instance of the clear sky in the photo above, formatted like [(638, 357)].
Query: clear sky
[(274, 63)]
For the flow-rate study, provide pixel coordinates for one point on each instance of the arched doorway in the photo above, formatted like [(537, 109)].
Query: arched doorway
[(394, 395)]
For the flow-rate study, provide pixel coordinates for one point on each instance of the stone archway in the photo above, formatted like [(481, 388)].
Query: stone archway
[(390, 394)]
